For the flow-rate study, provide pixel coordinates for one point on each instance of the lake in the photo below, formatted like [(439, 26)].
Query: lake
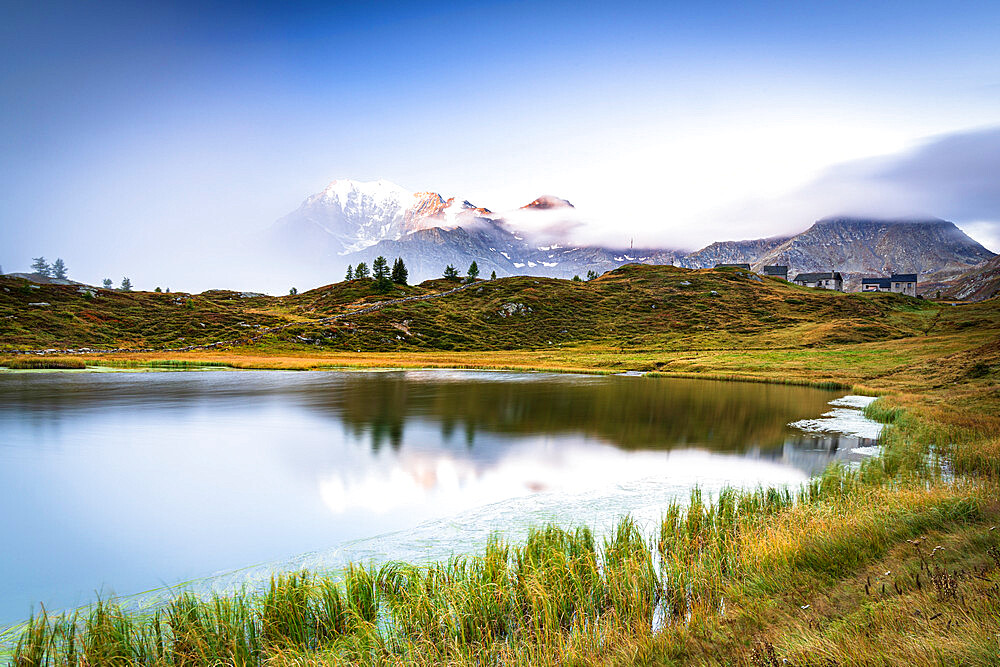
[(131, 482)]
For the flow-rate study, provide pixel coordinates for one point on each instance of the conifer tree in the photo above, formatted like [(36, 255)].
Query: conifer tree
[(450, 273), (350, 273), (108, 284), (126, 285), (59, 269), (473, 271), (361, 271), (493, 275), (399, 272), (591, 274), (380, 271), (40, 266)]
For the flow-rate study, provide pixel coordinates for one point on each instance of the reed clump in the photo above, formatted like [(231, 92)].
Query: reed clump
[(40, 363)]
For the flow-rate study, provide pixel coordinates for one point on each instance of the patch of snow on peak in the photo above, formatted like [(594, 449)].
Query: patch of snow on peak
[(343, 189)]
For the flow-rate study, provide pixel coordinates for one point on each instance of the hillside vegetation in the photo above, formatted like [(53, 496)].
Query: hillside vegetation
[(633, 307)]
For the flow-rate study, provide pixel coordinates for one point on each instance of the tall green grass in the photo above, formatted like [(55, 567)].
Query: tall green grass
[(879, 410), (38, 363), (559, 588)]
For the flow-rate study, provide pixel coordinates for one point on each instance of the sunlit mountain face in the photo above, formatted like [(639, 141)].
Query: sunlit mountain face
[(352, 221)]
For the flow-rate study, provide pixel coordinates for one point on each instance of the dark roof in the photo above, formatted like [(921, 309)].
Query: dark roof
[(881, 282), (777, 269), (816, 277), (733, 266), (904, 278)]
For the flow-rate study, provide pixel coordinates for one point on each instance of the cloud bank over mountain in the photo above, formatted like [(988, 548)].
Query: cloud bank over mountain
[(952, 176)]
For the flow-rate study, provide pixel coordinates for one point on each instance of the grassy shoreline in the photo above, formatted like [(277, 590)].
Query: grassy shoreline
[(767, 557), (169, 362), (834, 578)]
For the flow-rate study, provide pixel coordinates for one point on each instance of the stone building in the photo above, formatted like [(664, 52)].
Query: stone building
[(875, 285), (902, 283), (777, 271), (828, 280)]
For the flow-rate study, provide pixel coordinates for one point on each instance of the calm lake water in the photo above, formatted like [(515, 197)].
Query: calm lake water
[(127, 482)]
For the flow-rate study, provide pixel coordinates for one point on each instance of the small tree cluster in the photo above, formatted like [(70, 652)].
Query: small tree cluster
[(55, 270), (398, 274), (591, 274)]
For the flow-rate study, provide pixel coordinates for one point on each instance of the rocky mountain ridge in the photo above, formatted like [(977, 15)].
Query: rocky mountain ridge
[(935, 249), (978, 284), (350, 222)]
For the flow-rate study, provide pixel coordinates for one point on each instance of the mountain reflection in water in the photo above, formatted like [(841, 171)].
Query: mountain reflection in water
[(122, 481)]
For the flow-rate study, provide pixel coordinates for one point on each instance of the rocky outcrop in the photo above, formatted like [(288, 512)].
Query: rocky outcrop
[(982, 282), (935, 249), (731, 252)]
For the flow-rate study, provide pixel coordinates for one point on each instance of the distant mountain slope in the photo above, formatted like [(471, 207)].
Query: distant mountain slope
[(935, 249), (980, 283), (731, 252), (495, 248), (932, 248), (351, 222)]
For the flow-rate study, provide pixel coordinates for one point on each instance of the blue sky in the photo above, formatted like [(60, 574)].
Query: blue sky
[(123, 125)]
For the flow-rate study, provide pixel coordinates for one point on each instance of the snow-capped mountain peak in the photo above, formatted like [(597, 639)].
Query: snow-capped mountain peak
[(353, 215), (344, 189)]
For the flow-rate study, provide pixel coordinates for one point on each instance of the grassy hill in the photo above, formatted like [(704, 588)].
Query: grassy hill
[(634, 307)]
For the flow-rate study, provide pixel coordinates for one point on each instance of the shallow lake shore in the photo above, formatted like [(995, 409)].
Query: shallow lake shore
[(846, 552)]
